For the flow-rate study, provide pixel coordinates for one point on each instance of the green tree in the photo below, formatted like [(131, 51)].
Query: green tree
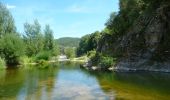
[(70, 52), (119, 23), (11, 44), (83, 45), (88, 43), (49, 39), (94, 39), (12, 48), (6, 21), (68, 42), (34, 39), (56, 49)]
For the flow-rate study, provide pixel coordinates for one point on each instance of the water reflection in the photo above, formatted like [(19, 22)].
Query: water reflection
[(68, 82), (34, 84), (138, 86), (11, 82), (73, 84), (39, 84)]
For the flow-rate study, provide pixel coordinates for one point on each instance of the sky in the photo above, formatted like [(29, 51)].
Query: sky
[(67, 18)]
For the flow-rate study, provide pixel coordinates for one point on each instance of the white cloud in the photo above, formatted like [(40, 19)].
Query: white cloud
[(10, 6)]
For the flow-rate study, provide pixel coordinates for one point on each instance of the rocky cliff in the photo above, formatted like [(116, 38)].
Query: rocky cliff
[(146, 46)]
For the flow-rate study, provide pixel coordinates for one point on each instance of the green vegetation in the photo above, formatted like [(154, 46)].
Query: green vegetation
[(7, 22), (33, 38), (88, 42), (11, 44), (12, 48), (68, 42), (33, 46), (2, 64), (37, 44), (70, 52), (106, 62), (42, 64), (129, 39), (68, 46), (44, 55), (91, 54), (25, 60), (109, 44)]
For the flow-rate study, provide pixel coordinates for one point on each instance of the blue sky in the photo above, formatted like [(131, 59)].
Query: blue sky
[(67, 18)]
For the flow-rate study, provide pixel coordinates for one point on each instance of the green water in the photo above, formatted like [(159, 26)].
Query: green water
[(69, 82)]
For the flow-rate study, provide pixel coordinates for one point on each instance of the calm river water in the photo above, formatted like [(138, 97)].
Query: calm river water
[(67, 81)]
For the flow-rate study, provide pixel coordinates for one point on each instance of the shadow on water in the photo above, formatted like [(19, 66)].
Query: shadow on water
[(11, 81), (134, 86), (39, 84)]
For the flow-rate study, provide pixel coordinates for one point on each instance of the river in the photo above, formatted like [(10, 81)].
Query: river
[(68, 81)]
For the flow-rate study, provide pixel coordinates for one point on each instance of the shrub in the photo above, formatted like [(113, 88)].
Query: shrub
[(94, 57), (2, 63), (106, 62), (82, 58), (12, 48), (25, 60), (91, 54), (44, 55)]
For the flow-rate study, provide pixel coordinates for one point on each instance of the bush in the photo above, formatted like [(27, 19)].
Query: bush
[(94, 57), (44, 55), (82, 58), (2, 63), (91, 54), (106, 62), (11, 47), (25, 60)]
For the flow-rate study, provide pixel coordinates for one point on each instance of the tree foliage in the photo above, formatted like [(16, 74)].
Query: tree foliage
[(110, 42), (37, 41), (88, 42), (11, 44), (70, 52), (49, 39), (68, 42), (12, 47), (34, 42), (119, 23), (6, 21), (33, 39)]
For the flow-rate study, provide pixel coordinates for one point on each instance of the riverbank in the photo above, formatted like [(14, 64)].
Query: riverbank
[(63, 58), (129, 67)]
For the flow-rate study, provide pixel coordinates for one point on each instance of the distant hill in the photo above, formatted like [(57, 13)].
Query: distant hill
[(68, 41)]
